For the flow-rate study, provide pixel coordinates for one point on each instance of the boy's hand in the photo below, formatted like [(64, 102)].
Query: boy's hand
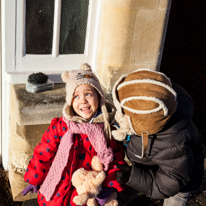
[(123, 175)]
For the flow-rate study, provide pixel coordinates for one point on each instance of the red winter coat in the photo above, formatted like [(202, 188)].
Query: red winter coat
[(80, 156)]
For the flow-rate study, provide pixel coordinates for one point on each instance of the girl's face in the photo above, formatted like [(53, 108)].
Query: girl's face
[(85, 101)]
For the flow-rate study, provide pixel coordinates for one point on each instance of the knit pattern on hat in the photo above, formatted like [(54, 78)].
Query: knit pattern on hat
[(96, 137), (84, 75)]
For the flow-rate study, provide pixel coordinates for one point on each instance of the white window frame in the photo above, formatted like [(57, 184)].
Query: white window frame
[(16, 61)]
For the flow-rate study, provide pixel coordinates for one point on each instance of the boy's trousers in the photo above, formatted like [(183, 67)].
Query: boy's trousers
[(180, 199)]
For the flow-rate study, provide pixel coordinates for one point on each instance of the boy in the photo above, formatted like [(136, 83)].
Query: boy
[(165, 148)]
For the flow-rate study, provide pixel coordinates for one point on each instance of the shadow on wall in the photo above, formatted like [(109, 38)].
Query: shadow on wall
[(185, 51)]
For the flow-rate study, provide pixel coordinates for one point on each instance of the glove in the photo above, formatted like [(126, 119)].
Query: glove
[(31, 188), (123, 175), (104, 195), (126, 196)]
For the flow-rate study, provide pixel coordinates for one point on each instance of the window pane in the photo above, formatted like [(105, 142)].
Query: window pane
[(39, 26), (74, 15)]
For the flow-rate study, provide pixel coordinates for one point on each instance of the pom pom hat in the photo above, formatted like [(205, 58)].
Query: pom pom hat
[(148, 99), (73, 79)]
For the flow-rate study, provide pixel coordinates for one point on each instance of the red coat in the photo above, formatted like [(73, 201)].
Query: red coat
[(80, 156)]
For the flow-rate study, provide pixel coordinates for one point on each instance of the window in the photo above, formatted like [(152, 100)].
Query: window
[(64, 47), (49, 35)]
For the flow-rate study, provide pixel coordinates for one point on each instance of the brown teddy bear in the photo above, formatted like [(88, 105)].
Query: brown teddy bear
[(89, 184)]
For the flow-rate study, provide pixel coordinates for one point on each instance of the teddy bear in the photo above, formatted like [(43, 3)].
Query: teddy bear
[(88, 184), (123, 129)]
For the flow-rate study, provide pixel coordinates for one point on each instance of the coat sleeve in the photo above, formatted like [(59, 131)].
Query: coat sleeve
[(173, 171), (44, 153), (110, 180)]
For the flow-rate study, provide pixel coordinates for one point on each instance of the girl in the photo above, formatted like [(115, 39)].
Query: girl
[(72, 140)]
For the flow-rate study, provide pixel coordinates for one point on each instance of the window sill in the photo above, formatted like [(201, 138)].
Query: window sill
[(21, 77)]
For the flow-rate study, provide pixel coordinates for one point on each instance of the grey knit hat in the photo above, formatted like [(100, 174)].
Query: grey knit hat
[(84, 75)]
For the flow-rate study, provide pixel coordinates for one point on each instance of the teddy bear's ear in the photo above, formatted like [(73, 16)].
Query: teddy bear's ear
[(65, 76), (96, 164), (86, 67)]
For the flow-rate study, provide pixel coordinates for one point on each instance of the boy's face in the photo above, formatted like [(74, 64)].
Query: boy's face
[(85, 101)]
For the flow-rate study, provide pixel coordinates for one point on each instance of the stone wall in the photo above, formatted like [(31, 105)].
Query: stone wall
[(30, 116), (132, 36)]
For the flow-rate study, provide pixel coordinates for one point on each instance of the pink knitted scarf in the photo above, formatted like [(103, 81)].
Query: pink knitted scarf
[(96, 137)]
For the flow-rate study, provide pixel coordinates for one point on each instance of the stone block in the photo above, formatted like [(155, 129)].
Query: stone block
[(133, 4), (148, 33), (22, 144), (30, 132), (116, 35), (38, 108), (30, 116), (154, 67), (108, 75), (147, 4), (121, 4), (20, 153), (105, 74), (17, 185), (132, 34), (126, 69), (165, 4)]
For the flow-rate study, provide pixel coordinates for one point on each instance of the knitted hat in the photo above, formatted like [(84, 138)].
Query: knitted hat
[(73, 79), (148, 98)]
